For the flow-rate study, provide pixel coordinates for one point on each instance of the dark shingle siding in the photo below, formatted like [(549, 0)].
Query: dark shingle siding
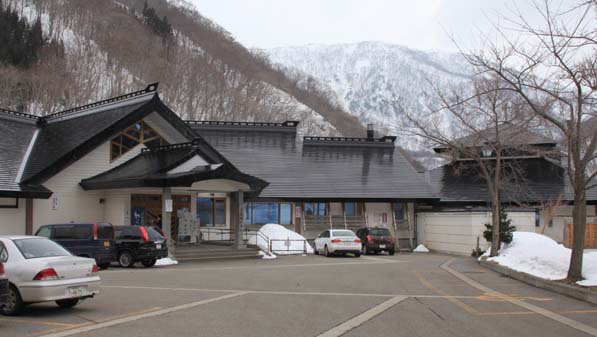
[(14, 141)]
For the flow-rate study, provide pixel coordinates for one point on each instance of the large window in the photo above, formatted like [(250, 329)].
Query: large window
[(353, 209), (262, 213), (211, 211), (316, 208), (399, 211), (138, 133)]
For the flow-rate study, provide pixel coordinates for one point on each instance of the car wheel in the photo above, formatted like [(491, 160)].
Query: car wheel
[(326, 253), (103, 265), (125, 259), (148, 263), (315, 250), (15, 304), (68, 303), (391, 252), (357, 254)]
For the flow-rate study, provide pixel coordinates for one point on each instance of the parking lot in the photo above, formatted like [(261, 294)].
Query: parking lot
[(401, 295)]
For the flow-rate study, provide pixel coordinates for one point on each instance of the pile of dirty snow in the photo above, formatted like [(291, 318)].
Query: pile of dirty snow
[(282, 244), (165, 262), (421, 249), (540, 256)]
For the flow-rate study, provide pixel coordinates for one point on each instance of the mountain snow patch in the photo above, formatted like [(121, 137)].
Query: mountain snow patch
[(540, 256)]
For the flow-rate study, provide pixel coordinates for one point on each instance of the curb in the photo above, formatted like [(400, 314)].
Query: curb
[(583, 294)]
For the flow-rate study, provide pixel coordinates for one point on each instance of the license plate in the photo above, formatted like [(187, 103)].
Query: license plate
[(158, 246), (106, 243), (76, 291), (382, 246)]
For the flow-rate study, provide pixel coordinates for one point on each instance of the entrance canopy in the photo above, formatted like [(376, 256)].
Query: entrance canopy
[(179, 165)]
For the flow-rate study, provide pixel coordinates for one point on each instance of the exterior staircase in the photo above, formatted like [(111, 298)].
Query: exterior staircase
[(213, 251)]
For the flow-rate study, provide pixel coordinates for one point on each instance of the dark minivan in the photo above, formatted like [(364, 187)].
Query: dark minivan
[(376, 240), (139, 244), (93, 240)]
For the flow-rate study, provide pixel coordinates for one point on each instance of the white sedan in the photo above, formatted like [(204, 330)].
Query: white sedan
[(40, 270), (337, 241)]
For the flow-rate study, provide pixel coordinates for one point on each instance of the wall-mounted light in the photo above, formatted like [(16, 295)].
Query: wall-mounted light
[(486, 152), (102, 201)]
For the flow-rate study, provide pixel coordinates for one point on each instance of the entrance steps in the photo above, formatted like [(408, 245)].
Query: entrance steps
[(213, 251)]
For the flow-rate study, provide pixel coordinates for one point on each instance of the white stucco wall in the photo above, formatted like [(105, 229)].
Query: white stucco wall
[(457, 232), (12, 220)]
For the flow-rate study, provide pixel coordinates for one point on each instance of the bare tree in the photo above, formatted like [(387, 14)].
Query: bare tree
[(481, 130), (552, 68)]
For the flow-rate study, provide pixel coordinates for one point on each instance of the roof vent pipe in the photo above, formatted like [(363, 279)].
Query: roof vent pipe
[(370, 131)]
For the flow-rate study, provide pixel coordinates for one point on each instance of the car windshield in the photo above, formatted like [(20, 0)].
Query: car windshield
[(154, 235), (342, 233), (380, 232), (36, 248)]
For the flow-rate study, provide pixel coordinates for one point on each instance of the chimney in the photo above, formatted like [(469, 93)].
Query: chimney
[(370, 131)]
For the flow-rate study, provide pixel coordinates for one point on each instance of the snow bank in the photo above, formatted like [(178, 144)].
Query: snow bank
[(540, 256), (165, 262), (276, 232), (421, 249)]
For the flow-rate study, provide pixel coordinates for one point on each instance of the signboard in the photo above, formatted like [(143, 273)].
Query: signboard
[(168, 205), (297, 211), (55, 203)]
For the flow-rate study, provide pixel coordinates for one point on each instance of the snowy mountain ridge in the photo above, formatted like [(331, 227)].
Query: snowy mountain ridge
[(368, 76)]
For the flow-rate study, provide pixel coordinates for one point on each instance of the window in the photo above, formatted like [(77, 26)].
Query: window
[(35, 248), (353, 209), (64, 232), (138, 133), (45, 232), (398, 211), (264, 213), (316, 208), (211, 211)]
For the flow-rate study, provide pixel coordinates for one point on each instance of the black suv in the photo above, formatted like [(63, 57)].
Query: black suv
[(139, 244), (377, 240), (93, 240)]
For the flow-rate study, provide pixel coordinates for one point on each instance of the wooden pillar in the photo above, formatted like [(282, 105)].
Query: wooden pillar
[(29, 216), (237, 218), (167, 218)]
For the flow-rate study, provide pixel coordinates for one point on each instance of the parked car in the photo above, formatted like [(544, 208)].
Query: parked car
[(93, 240), (375, 240), (40, 270), (3, 277), (337, 241), (139, 244)]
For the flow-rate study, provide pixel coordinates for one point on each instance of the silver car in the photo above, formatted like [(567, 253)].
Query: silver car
[(40, 270)]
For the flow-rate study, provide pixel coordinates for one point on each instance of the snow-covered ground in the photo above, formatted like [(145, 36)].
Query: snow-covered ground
[(165, 262), (283, 243), (421, 249), (540, 256)]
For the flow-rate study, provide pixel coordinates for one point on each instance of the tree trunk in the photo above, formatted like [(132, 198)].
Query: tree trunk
[(495, 226), (579, 220)]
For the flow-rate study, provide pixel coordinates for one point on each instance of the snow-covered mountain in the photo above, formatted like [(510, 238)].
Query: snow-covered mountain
[(368, 76)]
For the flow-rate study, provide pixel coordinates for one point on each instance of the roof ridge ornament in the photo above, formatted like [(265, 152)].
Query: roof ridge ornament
[(19, 114), (153, 87), (385, 141)]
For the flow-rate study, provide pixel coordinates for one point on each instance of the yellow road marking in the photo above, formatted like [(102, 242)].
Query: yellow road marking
[(456, 301), (493, 297), (68, 325), (129, 314), (74, 326)]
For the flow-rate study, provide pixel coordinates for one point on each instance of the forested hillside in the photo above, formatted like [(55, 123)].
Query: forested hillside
[(90, 50)]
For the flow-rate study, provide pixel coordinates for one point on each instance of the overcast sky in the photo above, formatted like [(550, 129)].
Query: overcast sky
[(422, 24)]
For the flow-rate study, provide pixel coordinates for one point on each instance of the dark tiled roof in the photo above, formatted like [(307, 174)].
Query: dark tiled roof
[(150, 169), (317, 171), (16, 132), (544, 181), (509, 134)]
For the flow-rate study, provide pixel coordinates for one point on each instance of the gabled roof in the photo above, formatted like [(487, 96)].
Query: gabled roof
[(67, 136), (16, 131), (319, 168), (160, 167), (508, 133), (544, 181)]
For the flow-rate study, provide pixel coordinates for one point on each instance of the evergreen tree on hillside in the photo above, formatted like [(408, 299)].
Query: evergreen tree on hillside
[(21, 43), (159, 26)]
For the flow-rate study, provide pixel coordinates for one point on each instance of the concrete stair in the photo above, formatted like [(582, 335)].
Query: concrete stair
[(207, 251)]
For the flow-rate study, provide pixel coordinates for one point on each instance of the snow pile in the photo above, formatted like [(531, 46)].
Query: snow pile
[(166, 262), (269, 256), (540, 256), (421, 249), (282, 240)]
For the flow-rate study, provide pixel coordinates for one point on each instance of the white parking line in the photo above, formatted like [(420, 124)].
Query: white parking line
[(363, 317), (140, 316)]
